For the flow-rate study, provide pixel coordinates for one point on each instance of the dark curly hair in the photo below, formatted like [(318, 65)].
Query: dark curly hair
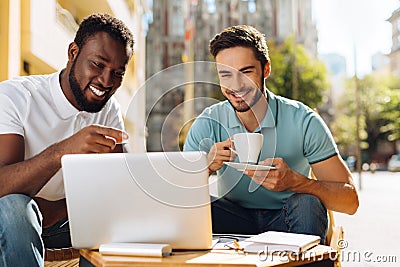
[(104, 23), (244, 36)]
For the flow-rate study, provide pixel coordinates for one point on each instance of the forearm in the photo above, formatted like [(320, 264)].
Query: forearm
[(29, 176), (336, 196)]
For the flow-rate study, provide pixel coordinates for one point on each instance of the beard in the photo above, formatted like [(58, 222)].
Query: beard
[(244, 107), (80, 98)]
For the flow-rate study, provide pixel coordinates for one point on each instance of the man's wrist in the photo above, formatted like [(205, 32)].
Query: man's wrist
[(300, 183)]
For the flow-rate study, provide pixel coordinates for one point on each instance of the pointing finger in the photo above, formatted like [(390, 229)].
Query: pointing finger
[(118, 135)]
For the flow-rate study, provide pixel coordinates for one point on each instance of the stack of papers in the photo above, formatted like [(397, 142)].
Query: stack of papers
[(272, 241)]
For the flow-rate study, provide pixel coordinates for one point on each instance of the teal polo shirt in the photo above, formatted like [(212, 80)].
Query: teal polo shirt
[(291, 131)]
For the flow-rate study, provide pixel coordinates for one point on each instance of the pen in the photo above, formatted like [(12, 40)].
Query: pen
[(237, 245)]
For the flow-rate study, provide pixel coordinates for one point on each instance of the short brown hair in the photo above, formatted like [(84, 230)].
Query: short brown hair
[(244, 36)]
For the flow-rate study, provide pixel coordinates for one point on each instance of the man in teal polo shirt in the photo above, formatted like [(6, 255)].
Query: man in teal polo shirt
[(296, 141)]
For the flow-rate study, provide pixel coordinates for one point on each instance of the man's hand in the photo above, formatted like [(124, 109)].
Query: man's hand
[(219, 153), (279, 179), (92, 139), (334, 185)]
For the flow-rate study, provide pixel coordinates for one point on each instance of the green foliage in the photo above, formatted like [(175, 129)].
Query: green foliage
[(311, 74), (379, 112), (391, 116)]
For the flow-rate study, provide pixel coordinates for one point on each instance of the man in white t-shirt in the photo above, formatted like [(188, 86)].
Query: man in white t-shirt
[(44, 117)]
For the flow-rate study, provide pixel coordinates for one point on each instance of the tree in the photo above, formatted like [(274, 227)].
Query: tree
[(311, 73), (379, 109), (391, 116)]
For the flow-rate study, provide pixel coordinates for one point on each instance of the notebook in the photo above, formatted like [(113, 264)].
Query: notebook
[(272, 241), (156, 197)]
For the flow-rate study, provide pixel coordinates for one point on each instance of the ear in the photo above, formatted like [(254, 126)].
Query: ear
[(267, 69), (73, 51)]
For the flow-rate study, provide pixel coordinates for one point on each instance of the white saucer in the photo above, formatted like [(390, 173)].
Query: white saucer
[(245, 166)]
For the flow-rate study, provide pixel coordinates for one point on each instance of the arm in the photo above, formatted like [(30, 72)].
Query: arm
[(29, 176), (334, 185)]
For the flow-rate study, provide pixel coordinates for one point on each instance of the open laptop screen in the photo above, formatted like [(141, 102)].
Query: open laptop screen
[(156, 197)]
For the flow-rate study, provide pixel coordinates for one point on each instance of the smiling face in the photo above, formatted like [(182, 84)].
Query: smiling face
[(95, 71), (241, 77)]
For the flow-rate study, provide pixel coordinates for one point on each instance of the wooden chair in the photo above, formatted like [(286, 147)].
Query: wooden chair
[(335, 237), (335, 233), (68, 257)]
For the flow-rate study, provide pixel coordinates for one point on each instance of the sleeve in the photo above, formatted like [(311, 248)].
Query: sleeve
[(11, 113), (200, 136), (114, 116), (318, 140)]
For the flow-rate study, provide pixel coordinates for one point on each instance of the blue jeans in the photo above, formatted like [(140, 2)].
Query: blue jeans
[(22, 240), (302, 213)]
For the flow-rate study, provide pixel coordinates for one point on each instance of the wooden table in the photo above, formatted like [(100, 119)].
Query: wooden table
[(317, 256)]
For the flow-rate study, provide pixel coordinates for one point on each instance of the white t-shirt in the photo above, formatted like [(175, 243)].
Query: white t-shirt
[(35, 107)]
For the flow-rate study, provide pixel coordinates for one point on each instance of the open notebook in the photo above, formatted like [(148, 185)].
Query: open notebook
[(279, 241)]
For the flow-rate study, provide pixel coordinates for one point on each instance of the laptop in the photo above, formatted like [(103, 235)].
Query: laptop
[(155, 197)]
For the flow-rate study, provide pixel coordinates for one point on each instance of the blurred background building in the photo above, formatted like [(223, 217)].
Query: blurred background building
[(336, 65), (180, 32), (35, 35), (394, 54)]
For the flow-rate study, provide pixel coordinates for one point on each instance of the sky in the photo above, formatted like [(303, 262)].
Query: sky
[(345, 26)]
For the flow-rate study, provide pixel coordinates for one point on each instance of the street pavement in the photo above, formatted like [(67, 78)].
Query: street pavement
[(372, 235)]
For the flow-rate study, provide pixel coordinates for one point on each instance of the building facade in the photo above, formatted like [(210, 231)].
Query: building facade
[(394, 55), (35, 36)]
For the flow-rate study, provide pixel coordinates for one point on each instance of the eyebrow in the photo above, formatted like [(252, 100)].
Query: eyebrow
[(246, 68), (241, 70), (102, 58), (107, 60)]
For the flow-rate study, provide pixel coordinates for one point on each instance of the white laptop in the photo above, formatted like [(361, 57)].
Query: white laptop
[(156, 197)]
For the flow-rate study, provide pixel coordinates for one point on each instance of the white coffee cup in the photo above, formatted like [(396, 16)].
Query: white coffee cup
[(247, 146)]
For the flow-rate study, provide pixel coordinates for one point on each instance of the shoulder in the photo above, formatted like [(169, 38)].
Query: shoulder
[(296, 115), (24, 86), (292, 105), (214, 116), (211, 118), (289, 109), (301, 118), (16, 90), (217, 110)]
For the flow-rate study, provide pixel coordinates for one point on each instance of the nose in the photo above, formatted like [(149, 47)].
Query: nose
[(106, 79), (237, 82)]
